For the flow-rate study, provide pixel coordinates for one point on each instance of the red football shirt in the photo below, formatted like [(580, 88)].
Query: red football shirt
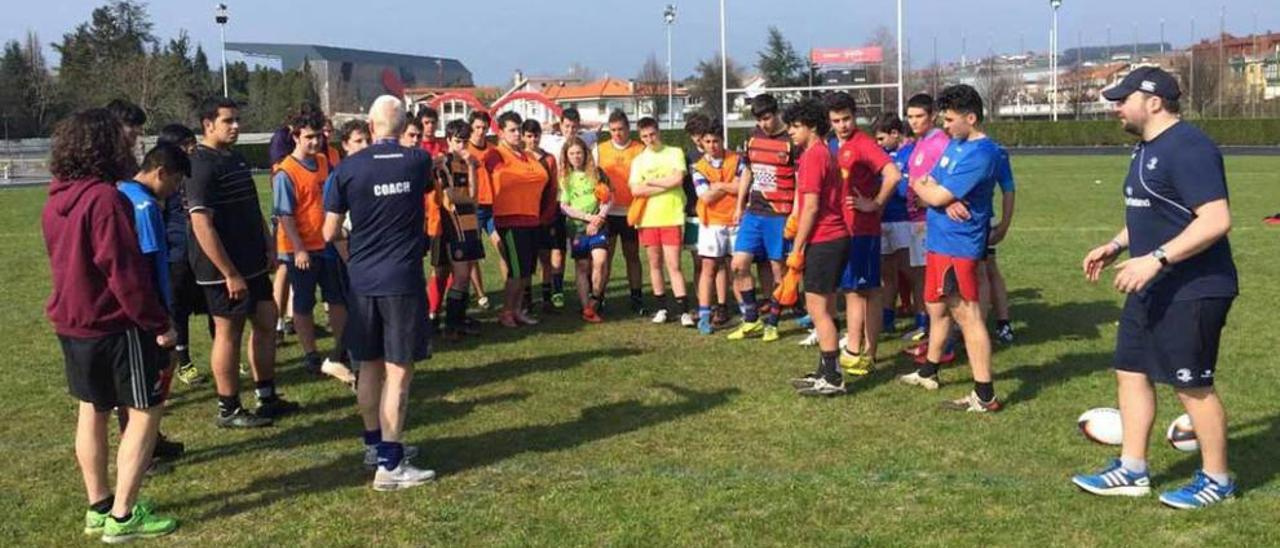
[(860, 160), (818, 174)]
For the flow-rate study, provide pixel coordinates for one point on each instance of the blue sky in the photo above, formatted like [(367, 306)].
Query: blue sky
[(495, 37)]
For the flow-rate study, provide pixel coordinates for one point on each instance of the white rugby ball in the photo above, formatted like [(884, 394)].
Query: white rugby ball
[(1101, 425), (1182, 435)]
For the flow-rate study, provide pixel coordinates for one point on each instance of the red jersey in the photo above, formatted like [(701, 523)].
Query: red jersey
[(860, 160), (818, 174)]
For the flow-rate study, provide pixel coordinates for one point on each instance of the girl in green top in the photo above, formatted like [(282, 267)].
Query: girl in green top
[(585, 197)]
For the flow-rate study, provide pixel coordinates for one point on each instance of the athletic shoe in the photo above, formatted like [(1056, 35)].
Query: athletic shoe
[(914, 379), (746, 329), (915, 335), (524, 318), (770, 333), (288, 327), (166, 448), (638, 309), (95, 521), (371, 455), (686, 320), (854, 364), (190, 375), (805, 322), (507, 319), (313, 363), (142, 524), (590, 315), (1272, 220), (557, 300), (660, 316), (276, 407), (244, 370), (279, 336), (1201, 492), (971, 404), (1004, 334), (719, 317), (482, 303), (242, 418), (704, 325), (811, 339), (806, 381), (822, 387), (402, 477), (1114, 480)]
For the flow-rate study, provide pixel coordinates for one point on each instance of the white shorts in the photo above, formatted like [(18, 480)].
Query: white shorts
[(894, 236), (716, 241), (917, 251)]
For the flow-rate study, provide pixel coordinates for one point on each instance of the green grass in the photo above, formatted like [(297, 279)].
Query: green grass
[(632, 434)]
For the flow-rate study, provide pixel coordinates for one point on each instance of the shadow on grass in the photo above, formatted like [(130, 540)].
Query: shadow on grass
[(1252, 458), (1034, 379), (1078, 320), (458, 454)]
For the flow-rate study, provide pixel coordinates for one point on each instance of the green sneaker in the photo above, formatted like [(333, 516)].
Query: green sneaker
[(557, 300), (770, 333), (189, 374), (746, 329), (141, 525), (94, 522)]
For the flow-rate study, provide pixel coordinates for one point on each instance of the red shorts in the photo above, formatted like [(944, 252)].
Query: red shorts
[(661, 236), (946, 275)]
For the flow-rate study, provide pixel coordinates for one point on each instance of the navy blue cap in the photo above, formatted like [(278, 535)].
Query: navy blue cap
[(1153, 80)]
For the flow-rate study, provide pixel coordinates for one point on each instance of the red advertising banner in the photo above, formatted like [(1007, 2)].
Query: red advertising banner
[(869, 55)]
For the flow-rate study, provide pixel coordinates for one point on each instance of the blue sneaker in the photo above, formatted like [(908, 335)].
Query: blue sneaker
[(1114, 480), (1201, 492), (805, 322), (704, 325)]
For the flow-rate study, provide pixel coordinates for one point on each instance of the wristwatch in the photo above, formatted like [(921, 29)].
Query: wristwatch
[(1160, 255)]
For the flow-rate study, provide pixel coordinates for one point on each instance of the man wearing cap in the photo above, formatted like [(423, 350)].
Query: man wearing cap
[(1180, 281)]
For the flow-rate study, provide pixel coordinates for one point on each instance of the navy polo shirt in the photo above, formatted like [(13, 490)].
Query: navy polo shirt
[(1169, 177), (381, 188)]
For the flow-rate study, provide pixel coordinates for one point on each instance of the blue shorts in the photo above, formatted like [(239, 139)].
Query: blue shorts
[(761, 236), (862, 270), (1171, 342), (325, 273), (484, 215), (582, 244)]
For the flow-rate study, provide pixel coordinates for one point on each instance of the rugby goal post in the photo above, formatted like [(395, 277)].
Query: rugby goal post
[(724, 75)]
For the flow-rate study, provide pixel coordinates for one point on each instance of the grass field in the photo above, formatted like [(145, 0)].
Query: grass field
[(632, 434)]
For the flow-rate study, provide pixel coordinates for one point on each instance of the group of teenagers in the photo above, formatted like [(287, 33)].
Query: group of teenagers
[(817, 206)]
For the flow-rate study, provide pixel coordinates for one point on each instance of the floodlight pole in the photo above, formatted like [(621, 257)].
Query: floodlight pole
[(221, 17), (1053, 59), (901, 91), (724, 80), (669, 16)]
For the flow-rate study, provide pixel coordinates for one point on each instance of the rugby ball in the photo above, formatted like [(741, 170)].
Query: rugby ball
[(1181, 434), (1101, 425)]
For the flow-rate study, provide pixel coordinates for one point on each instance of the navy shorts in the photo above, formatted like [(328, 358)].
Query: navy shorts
[(323, 274), (582, 244), (484, 216), (862, 269), (1171, 342), (391, 328), (762, 236)]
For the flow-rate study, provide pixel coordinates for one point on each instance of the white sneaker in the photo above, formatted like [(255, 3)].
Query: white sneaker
[(524, 319), (661, 316), (811, 339), (371, 455), (913, 378), (686, 320), (402, 477)]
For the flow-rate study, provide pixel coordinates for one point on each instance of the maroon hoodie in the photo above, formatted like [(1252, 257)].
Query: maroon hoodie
[(102, 285)]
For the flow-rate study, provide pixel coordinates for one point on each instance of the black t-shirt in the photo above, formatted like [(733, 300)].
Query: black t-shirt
[(1169, 177), (691, 155), (221, 183), (381, 188)]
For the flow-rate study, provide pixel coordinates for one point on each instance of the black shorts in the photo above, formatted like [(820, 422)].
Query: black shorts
[(554, 236), (392, 328), (324, 273), (520, 250), (824, 266), (188, 298), (221, 305), (451, 248), (618, 226), (1171, 342), (118, 370)]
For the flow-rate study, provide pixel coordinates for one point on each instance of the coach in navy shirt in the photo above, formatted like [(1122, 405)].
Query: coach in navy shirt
[(1180, 281), (381, 188)]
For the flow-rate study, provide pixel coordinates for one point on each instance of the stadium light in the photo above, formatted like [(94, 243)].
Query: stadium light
[(669, 17), (1053, 59), (221, 16)]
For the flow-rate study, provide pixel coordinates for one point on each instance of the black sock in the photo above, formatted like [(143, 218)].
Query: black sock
[(266, 390), (123, 518), (103, 506), (1001, 324), (184, 355), (771, 314), (227, 405), (528, 297), (683, 303), (637, 298), (986, 391), (557, 283), (661, 301), (750, 312), (829, 366), (546, 292), (455, 306), (928, 369)]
